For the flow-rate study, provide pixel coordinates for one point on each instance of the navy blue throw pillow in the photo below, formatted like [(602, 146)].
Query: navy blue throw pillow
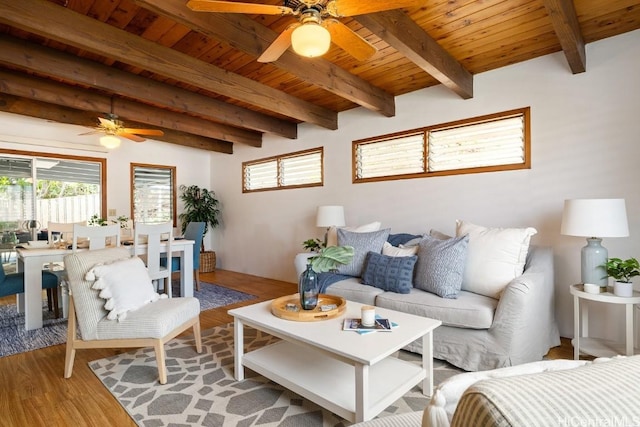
[(393, 274)]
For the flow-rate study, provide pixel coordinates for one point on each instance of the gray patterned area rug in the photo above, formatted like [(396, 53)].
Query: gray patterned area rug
[(15, 339), (201, 390)]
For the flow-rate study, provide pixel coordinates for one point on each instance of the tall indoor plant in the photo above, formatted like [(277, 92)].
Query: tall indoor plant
[(200, 205)]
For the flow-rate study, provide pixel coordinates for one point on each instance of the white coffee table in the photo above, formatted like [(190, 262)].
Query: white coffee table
[(354, 376)]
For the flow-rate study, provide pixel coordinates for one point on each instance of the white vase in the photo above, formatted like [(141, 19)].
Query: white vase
[(623, 289), (300, 261)]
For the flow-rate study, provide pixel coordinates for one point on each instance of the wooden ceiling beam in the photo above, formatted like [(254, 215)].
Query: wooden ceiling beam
[(72, 69), (249, 36), (55, 93), (49, 20), (43, 110), (565, 24), (408, 38)]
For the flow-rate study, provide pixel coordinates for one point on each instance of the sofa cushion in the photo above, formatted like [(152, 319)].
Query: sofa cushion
[(389, 273), (440, 265), (332, 233), (469, 310), (362, 244), (390, 250), (353, 290), (495, 256)]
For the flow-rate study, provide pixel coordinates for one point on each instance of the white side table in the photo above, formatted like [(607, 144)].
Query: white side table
[(595, 346)]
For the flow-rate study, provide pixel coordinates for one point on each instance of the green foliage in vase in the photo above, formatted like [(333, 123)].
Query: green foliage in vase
[(622, 270), (329, 258)]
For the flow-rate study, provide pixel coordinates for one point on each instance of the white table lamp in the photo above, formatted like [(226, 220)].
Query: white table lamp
[(594, 219), (330, 216)]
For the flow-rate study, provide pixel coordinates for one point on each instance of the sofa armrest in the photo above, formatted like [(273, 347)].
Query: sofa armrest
[(524, 321)]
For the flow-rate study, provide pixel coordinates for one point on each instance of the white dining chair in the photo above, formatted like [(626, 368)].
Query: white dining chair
[(98, 236), (64, 231), (154, 234)]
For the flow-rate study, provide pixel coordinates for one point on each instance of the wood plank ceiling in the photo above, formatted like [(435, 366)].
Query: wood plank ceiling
[(156, 63)]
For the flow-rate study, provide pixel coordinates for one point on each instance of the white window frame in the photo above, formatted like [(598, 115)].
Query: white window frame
[(292, 170), (406, 155)]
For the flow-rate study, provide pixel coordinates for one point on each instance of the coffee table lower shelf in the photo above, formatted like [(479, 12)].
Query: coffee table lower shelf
[(331, 383)]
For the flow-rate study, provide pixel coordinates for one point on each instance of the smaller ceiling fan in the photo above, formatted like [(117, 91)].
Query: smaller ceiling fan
[(317, 25), (114, 126)]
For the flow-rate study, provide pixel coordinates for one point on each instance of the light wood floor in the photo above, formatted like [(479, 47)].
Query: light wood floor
[(33, 391)]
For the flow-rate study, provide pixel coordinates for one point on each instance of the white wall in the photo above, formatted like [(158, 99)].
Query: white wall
[(585, 143), (35, 135)]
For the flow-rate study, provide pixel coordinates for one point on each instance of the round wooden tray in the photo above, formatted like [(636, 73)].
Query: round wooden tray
[(278, 308)]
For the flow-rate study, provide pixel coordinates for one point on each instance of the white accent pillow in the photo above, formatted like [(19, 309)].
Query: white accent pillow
[(390, 250), (332, 234), (495, 257), (124, 284)]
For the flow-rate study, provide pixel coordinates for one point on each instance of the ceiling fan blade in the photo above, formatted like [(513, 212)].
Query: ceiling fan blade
[(130, 136), (143, 131), (349, 41), (236, 7), (93, 132), (340, 8), (279, 45)]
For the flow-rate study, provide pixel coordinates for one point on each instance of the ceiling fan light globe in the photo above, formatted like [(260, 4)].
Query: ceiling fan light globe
[(310, 40), (110, 141)]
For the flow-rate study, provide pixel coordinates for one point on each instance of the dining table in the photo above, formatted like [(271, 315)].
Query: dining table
[(32, 260)]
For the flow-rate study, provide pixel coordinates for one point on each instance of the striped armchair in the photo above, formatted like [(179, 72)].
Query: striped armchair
[(151, 325)]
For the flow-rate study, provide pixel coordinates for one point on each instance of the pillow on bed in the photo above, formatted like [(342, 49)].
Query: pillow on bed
[(440, 266), (124, 284), (389, 273), (362, 244), (495, 257)]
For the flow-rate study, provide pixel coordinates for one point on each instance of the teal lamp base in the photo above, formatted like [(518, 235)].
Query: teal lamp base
[(593, 258)]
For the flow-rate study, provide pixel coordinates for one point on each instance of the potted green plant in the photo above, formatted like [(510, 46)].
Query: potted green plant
[(622, 272), (200, 205)]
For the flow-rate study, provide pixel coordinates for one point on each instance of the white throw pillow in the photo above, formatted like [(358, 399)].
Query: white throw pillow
[(124, 284), (495, 256), (390, 250), (332, 234)]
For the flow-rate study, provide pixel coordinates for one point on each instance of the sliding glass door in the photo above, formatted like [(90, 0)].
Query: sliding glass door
[(37, 189)]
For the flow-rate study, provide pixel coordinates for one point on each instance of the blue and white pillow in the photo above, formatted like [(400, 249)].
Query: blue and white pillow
[(440, 266), (389, 273), (362, 244)]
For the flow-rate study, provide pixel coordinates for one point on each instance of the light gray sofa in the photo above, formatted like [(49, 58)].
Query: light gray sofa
[(479, 332)]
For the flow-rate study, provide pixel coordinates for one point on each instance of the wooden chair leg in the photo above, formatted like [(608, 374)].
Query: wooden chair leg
[(56, 301), (196, 278), (49, 302), (71, 338), (196, 334), (160, 359)]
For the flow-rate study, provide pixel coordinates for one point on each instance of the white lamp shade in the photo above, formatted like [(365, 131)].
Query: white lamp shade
[(330, 216), (595, 218), (310, 40), (110, 141)]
